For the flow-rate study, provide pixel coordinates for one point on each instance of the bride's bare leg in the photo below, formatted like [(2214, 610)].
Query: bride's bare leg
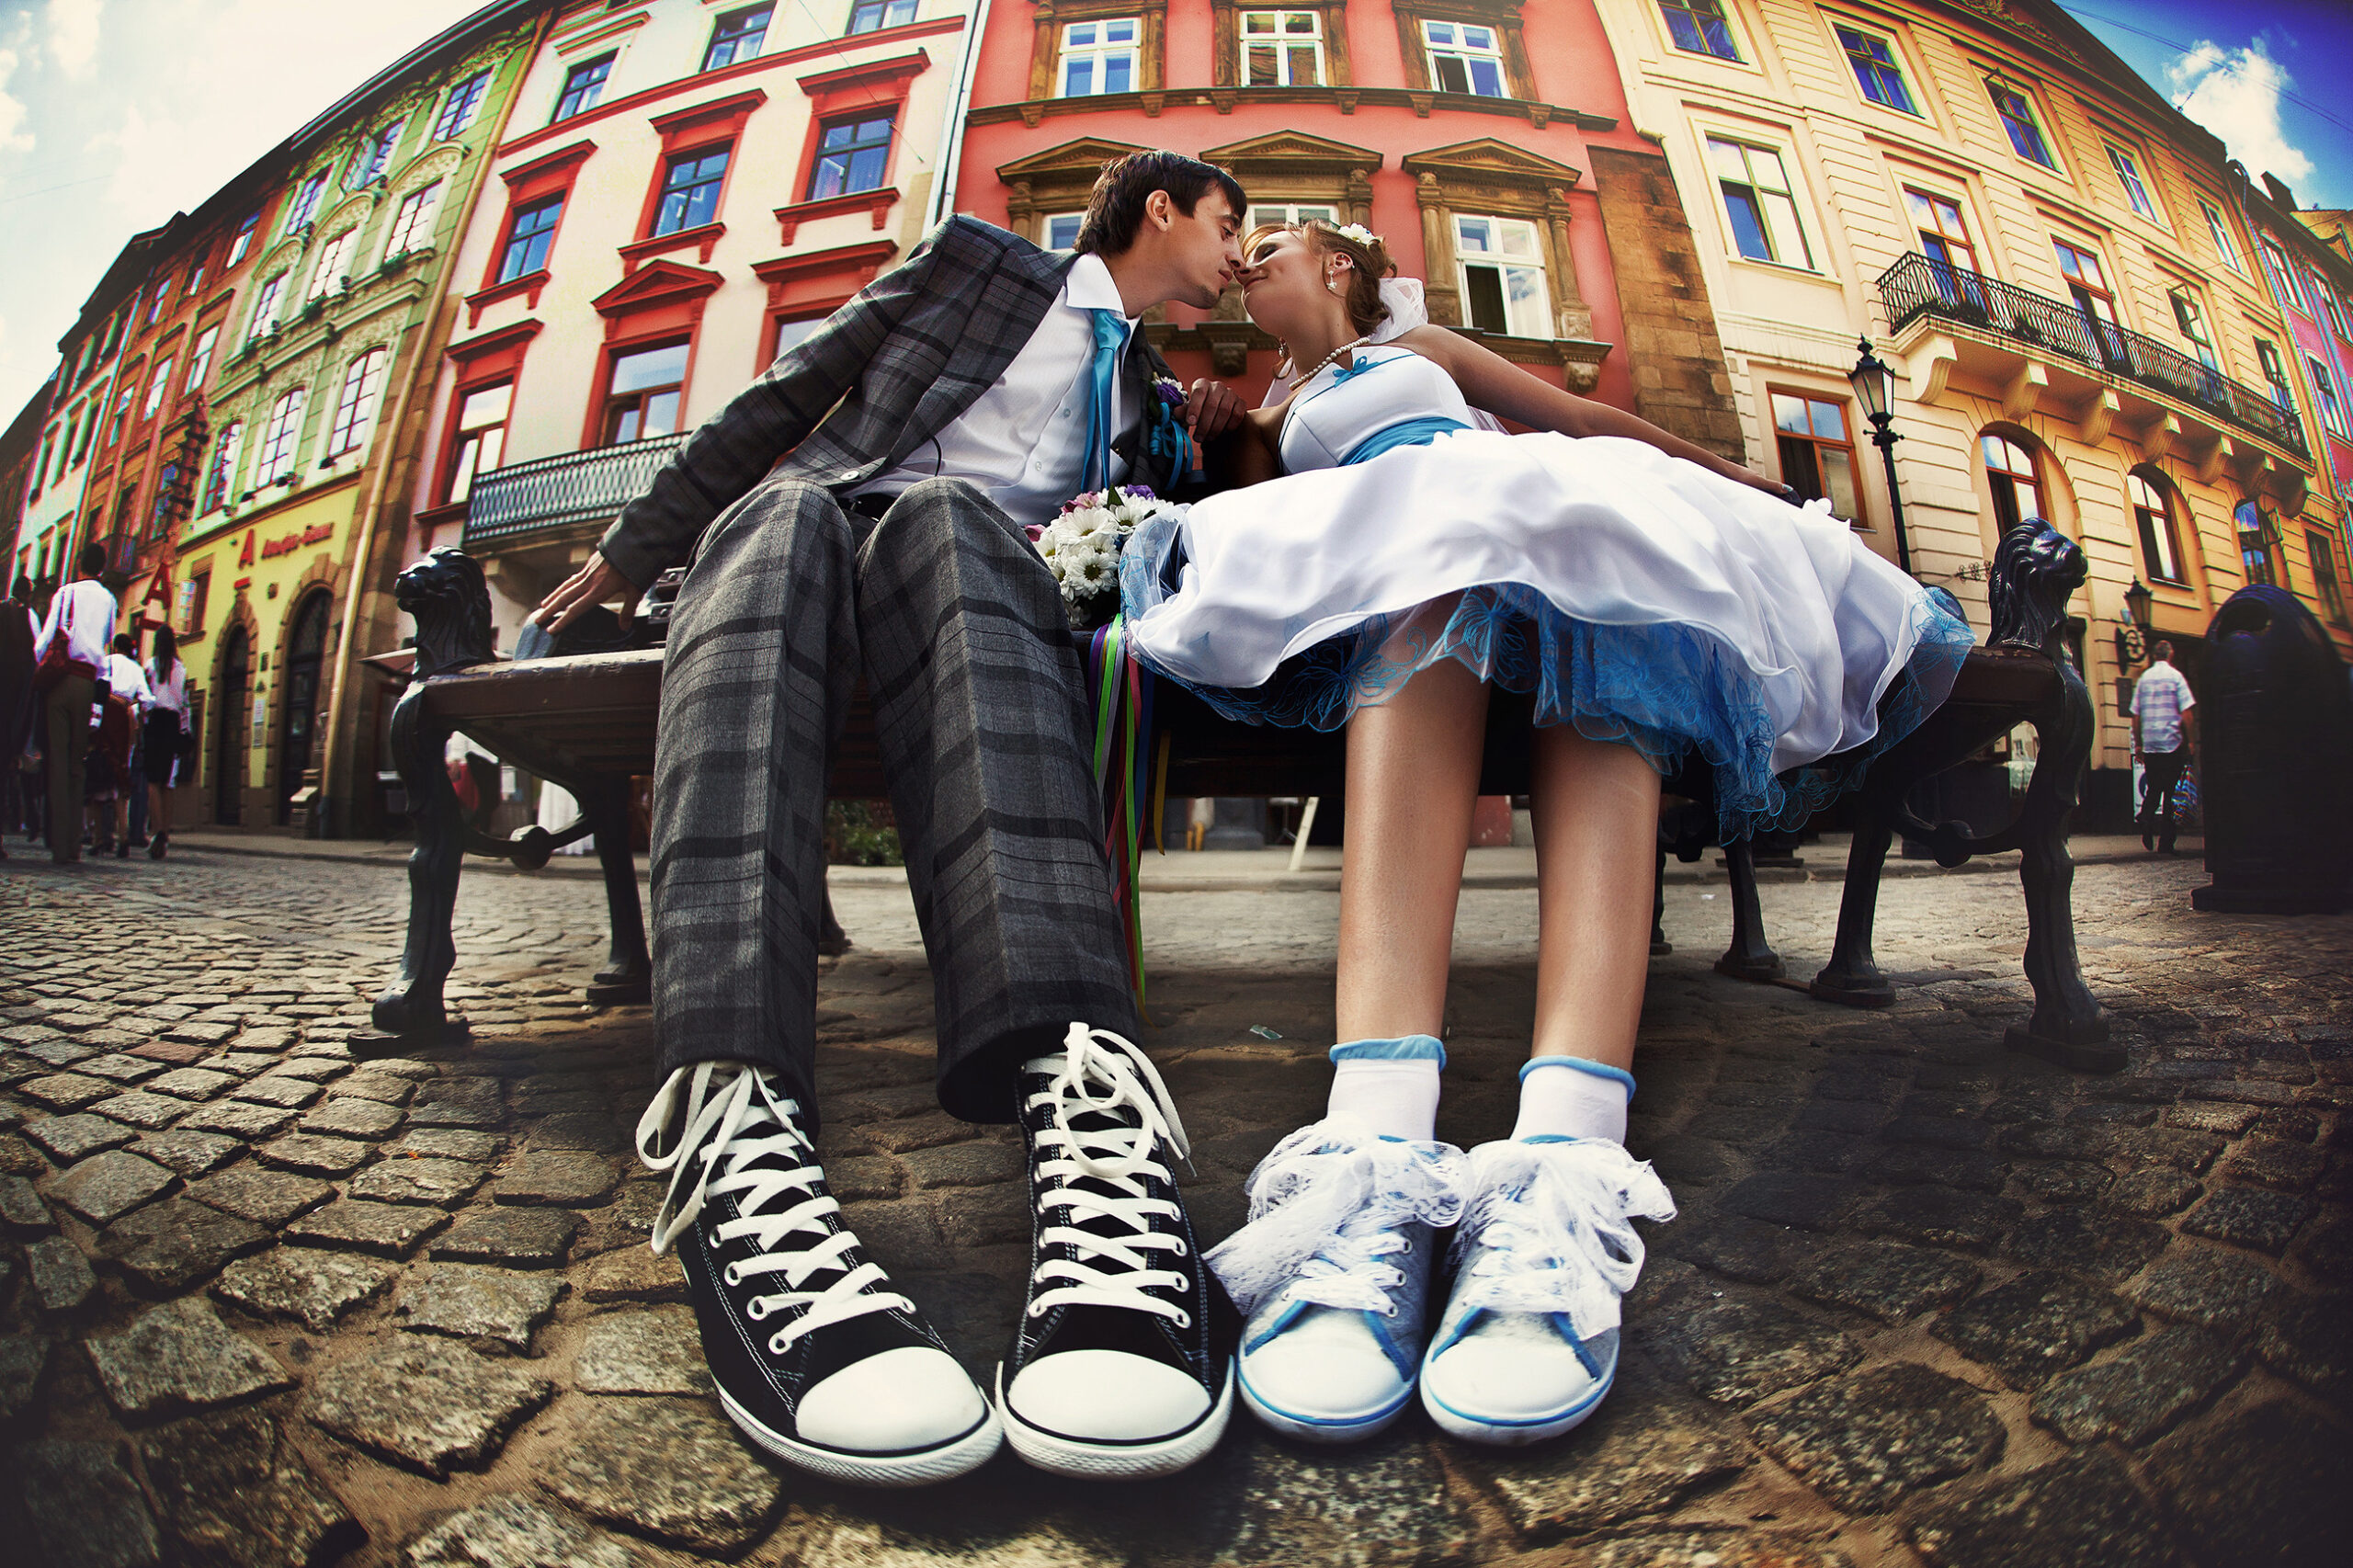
[(1596, 835), (1413, 781)]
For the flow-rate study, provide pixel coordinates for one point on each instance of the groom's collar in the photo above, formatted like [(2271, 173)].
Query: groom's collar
[(1088, 286)]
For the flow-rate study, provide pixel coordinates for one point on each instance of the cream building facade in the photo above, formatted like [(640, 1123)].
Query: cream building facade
[(2049, 257)]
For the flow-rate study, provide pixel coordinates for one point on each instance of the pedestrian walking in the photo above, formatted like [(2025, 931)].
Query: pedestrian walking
[(126, 690), (167, 724), (18, 627), (2162, 729), (67, 654), (114, 733)]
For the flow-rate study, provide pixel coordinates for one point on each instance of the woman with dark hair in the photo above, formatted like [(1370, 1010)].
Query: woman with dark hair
[(18, 626), (167, 717)]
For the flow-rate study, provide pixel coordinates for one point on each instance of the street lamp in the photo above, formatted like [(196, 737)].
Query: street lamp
[(2137, 602), (2132, 631), (1874, 385)]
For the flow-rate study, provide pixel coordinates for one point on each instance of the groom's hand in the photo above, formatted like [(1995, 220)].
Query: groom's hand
[(1212, 409), (592, 584)]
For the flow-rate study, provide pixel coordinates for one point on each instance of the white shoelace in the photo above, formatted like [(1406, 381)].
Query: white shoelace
[(1324, 1209), (731, 1123), (1098, 1072), (1554, 1221)]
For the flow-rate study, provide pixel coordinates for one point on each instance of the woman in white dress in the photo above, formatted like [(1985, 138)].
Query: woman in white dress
[(1657, 601)]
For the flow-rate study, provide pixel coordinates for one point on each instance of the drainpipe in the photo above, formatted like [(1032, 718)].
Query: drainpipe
[(952, 133)]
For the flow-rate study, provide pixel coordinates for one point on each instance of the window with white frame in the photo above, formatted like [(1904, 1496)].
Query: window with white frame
[(2191, 319), (335, 260), (242, 243), (200, 364), (368, 164), (354, 406), (1465, 57), (1098, 57), (412, 219), (155, 386), (1699, 27), (2127, 175), (1263, 214), (1759, 203), (2219, 228), (217, 478), (1283, 49), (2332, 413), (156, 307), (2330, 306), (196, 279), (2016, 112), (2160, 546), (873, 15), (1062, 230), (305, 205), (1499, 265), (458, 108), (2285, 274), (479, 442), (1878, 73), (276, 460), (265, 315), (737, 37)]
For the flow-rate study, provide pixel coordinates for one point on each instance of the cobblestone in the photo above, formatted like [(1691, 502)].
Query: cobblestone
[(311, 1286), (71, 1138), (677, 1471), (84, 1508), (386, 1230), (2082, 1512), (519, 1238), (234, 1492), (571, 1180), (106, 1185), (266, 1197), (2038, 1323), (472, 1302), (653, 1351), (1867, 1440), (178, 1357), (176, 1244), (423, 1403), (61, 1275)]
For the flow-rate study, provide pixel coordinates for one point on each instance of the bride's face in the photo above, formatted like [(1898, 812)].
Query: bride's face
[(1286, 282)]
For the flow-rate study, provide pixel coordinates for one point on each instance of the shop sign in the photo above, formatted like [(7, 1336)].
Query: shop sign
[(318, 533)]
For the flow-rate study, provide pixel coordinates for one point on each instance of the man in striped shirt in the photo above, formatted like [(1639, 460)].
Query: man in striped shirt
[(2161, 734)]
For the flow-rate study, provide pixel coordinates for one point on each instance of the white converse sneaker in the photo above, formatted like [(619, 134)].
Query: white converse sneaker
[(1332, 1275), (815, 1355), (1528, 1345)]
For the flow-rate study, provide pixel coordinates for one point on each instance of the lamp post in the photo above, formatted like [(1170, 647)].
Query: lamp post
[(1874, 385)]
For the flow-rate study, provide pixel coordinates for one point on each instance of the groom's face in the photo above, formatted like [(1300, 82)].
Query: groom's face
[(1204, 249)]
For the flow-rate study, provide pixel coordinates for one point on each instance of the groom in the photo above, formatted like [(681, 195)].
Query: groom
[(858, 511)]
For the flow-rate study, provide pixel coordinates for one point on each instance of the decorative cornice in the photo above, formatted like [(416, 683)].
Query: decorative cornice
[(1347, 100), (527, 285), (703, 240), (554, 163), (874, 74), (789, 218)]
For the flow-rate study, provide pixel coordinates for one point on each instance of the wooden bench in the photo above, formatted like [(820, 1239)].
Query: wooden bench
[(586, 720)]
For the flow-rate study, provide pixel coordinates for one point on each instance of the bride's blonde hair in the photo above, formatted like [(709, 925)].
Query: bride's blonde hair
[(1368, 264)]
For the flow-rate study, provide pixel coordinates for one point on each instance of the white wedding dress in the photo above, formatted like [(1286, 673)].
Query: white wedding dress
[(1639, 596)]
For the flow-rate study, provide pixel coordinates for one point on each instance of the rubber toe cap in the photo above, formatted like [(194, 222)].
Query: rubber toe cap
[(913, 1397), (1505, 1380), (1325, 1368), (1106, 1396)]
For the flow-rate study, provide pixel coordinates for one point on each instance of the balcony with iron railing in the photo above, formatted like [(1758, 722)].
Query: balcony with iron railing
[(512, 505), (2040, 352)]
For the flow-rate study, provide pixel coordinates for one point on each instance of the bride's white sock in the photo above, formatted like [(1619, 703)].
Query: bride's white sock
[(1391, 1085), (1568, 1096)]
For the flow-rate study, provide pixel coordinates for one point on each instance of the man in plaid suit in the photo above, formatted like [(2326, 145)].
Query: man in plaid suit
[(859, 511)]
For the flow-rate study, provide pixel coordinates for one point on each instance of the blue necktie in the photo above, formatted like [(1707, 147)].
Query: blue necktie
[(1110, 337)]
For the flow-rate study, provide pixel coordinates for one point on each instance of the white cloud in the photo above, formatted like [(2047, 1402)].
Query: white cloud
[(14, 137), (2236, 95), (74, 36)]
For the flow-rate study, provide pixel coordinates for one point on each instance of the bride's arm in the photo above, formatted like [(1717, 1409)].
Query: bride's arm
[(1249, 451), (1492, 383)]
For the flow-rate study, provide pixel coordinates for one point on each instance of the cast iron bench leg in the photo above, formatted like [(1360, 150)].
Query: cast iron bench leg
[(411, 1004), (1852, 975), (627, 975), (1750, 957)]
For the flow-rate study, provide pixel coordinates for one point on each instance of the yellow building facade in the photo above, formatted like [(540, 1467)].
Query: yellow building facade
[(2047, 253)]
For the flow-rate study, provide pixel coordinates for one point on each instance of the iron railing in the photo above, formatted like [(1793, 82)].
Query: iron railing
[(571, 488), (1918, 286)]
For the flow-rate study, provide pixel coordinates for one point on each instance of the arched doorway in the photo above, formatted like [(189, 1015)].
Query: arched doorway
[(305, 651), (229, 728)]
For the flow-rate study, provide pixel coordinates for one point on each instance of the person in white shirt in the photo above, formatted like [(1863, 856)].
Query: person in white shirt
[(166, 721), (114, 745), (2163, 728), (82, 614)]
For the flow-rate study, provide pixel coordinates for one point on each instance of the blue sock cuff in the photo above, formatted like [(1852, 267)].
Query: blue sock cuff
[(1409, 1048), (1615, 1075)]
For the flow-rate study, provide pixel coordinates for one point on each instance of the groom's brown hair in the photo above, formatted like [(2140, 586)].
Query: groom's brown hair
[(1116, 209)]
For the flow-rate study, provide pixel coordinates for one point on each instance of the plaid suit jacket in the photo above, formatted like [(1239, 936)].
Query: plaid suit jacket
[(884, 374)]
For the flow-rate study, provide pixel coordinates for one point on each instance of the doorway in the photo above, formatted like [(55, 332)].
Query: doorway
[(305, 651), (229, 731)]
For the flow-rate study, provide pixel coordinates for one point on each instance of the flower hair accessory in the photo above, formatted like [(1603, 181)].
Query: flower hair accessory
[(1360, 233)]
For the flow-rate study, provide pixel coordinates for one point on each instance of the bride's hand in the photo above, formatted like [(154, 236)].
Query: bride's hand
[(1212, 409)]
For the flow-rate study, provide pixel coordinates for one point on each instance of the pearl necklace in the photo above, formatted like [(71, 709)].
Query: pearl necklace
[(1335, 353)]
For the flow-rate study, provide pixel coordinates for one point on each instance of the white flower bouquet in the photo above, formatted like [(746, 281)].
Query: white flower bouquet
[(1081, 548)]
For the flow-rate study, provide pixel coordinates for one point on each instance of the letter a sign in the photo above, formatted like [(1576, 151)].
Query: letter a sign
[(245, 557)]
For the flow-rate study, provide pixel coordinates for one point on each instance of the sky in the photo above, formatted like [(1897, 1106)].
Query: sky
[(115, 114)]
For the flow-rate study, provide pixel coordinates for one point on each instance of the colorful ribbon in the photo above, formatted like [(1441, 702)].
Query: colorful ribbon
[(1123, 694)]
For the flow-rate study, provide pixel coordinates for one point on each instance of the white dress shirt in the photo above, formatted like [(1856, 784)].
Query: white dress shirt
[(126, 680), (1024, 440), (169, 691), (92, 629)]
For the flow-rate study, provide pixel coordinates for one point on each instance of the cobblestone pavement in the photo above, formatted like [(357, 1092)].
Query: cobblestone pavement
[(1926, 1301)]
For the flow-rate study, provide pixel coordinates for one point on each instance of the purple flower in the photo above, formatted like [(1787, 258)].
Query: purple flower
[(1171, 391)]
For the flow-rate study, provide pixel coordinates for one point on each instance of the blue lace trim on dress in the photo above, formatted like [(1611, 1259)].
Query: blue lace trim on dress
[(1409, 432)]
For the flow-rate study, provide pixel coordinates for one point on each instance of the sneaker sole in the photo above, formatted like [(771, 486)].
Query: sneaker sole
[(1512, 1434), (920, 1468), (1313, 1429), (1117, 1461)]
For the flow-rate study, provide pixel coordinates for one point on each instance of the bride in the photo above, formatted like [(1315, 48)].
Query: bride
[(1658, 602)]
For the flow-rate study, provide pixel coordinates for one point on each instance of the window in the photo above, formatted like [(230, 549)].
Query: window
[(642, 399), (2018, 119), (2127, 173), (2284, 274), (792, 334), (2330, 306), (690, 188), (64, 450), (155, 386), (873, 15), (89, 427), (122, 412), (737, 36), (458, 108), (306, 201), (1501, 264), (2324, 554), (242, 243), (200, 363), (583, 85), (1283, 49), (1944, 233), (2160, 544), (370, 162), (224, 471), (335, 261), (196, 279), (41, 465), (2254, 543), (1264, 214), (2191, 320), (853, 154), (481, 436), (1758, 199), (1699, 27), (285, 427), (1876, 70), (1062, 230), (2332, 413), (413, 221), (2011, 475), (529, 232), (2087, 284), (1098, 57), (167, 479), (265, 315), (155, 306), (1817, 451), (2267, 354), (354, 406), (193, 594), (2225, 245), (1465, 58)]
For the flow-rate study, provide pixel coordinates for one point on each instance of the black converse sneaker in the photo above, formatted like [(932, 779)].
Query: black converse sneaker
[(1123, 1364), (815, 1355)]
